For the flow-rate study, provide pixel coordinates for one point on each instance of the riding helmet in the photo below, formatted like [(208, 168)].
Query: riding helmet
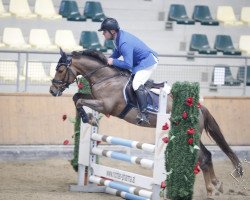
[(109, 24)]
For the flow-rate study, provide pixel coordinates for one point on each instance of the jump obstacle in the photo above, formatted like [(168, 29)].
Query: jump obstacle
[(114, 181)]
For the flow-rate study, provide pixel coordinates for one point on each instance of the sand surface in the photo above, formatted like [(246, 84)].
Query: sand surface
[(50, 179)]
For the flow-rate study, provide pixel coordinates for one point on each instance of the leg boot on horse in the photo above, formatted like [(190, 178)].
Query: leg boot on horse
[(142, 101)]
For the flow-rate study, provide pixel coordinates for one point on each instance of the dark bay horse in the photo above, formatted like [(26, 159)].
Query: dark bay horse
[(108, 97)]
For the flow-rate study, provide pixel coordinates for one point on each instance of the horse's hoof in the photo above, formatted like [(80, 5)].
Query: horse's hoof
[(93, 123), (219, 187), (92, 120)]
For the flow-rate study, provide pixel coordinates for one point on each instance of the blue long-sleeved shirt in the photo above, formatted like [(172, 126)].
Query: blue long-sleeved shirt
[(136, 54)]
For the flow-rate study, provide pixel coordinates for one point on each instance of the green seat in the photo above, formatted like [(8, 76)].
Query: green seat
[(223, 43), (69, 9), (199, 42), (90, 40), (229, 79), (178, 13), (109, 44), (202, 14), (93, 10), (241, 75)]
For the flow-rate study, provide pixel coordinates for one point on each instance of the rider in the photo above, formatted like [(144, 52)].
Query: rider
[(137, 58)]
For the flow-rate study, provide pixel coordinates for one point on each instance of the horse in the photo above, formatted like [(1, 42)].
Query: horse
[(108, 85)]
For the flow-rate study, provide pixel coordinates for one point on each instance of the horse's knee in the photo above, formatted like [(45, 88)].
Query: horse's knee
[(79, 103), (77, 96)]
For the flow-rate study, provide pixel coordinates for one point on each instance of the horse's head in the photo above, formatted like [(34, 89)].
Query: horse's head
[(64, 75)]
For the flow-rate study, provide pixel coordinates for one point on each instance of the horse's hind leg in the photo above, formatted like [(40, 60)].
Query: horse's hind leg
[(204, 158), (206, 165)]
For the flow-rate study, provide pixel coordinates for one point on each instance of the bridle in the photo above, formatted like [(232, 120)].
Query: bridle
[(64, 83)]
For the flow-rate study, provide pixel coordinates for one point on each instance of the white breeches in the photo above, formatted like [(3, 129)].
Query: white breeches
[(142, 76)]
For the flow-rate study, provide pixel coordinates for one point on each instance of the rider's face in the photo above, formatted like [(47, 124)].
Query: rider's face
[(108, 35)]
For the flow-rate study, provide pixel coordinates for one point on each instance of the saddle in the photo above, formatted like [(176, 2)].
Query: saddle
[(152, 90)]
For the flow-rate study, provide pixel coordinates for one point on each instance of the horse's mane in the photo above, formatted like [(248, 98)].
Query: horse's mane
[(92, 53)]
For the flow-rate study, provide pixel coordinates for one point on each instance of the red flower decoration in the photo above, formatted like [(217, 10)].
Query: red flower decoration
[(163, 184), (184, 115), (66, 142), (107, 115), (165, 139), (64, 117), (196, 171), (98, 142), (199, 105), (189, 101), (196, 168), (190, 131), (190, 141), (80, 85), (165, 126)]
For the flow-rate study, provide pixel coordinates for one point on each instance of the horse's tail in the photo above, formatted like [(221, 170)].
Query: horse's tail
[(212, 128)]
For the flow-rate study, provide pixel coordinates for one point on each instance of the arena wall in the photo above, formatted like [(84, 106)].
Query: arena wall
[(38, 119)]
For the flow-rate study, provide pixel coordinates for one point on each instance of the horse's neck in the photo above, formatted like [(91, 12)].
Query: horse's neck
[(95, 71)]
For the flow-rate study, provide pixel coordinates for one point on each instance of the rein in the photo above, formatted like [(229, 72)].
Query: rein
[(88, 75)]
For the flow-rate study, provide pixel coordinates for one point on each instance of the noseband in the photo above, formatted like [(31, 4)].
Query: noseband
[(64, 83)]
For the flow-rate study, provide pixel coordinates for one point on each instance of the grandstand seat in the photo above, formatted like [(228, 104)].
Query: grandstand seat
[(8, 71), (177, 12), (93, 10), (65, 39), (13, 38), (39, 38), (3, 12), (241, 75), (76, 17), (245, 15), (202, 14), (199, 42), (109, 44), (45, 9), (225, 14), (2, 45), (244, 44), (36, 72), (90, 40), (20, 8), (229, 79), (69, 10), (223, 43)]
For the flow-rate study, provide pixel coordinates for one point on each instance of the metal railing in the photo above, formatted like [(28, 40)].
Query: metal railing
[(31, 71)]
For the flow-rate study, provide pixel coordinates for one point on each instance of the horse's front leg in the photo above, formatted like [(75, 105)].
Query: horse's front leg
[(96, 105)]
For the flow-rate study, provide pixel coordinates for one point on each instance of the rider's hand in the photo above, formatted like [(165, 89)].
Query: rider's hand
[(110, 61)]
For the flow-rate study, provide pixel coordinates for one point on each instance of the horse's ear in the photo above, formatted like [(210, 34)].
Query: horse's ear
[(61, 52), (63, 55)]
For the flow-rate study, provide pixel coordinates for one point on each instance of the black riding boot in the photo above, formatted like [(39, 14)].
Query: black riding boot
[(142, 101)]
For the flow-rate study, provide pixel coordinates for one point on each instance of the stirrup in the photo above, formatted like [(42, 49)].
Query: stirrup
[(142, 118)]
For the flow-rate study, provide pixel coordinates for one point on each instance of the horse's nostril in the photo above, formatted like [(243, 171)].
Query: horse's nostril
[(51, 92)]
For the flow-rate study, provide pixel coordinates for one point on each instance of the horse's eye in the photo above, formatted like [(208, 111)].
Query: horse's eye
[(60, 70)]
